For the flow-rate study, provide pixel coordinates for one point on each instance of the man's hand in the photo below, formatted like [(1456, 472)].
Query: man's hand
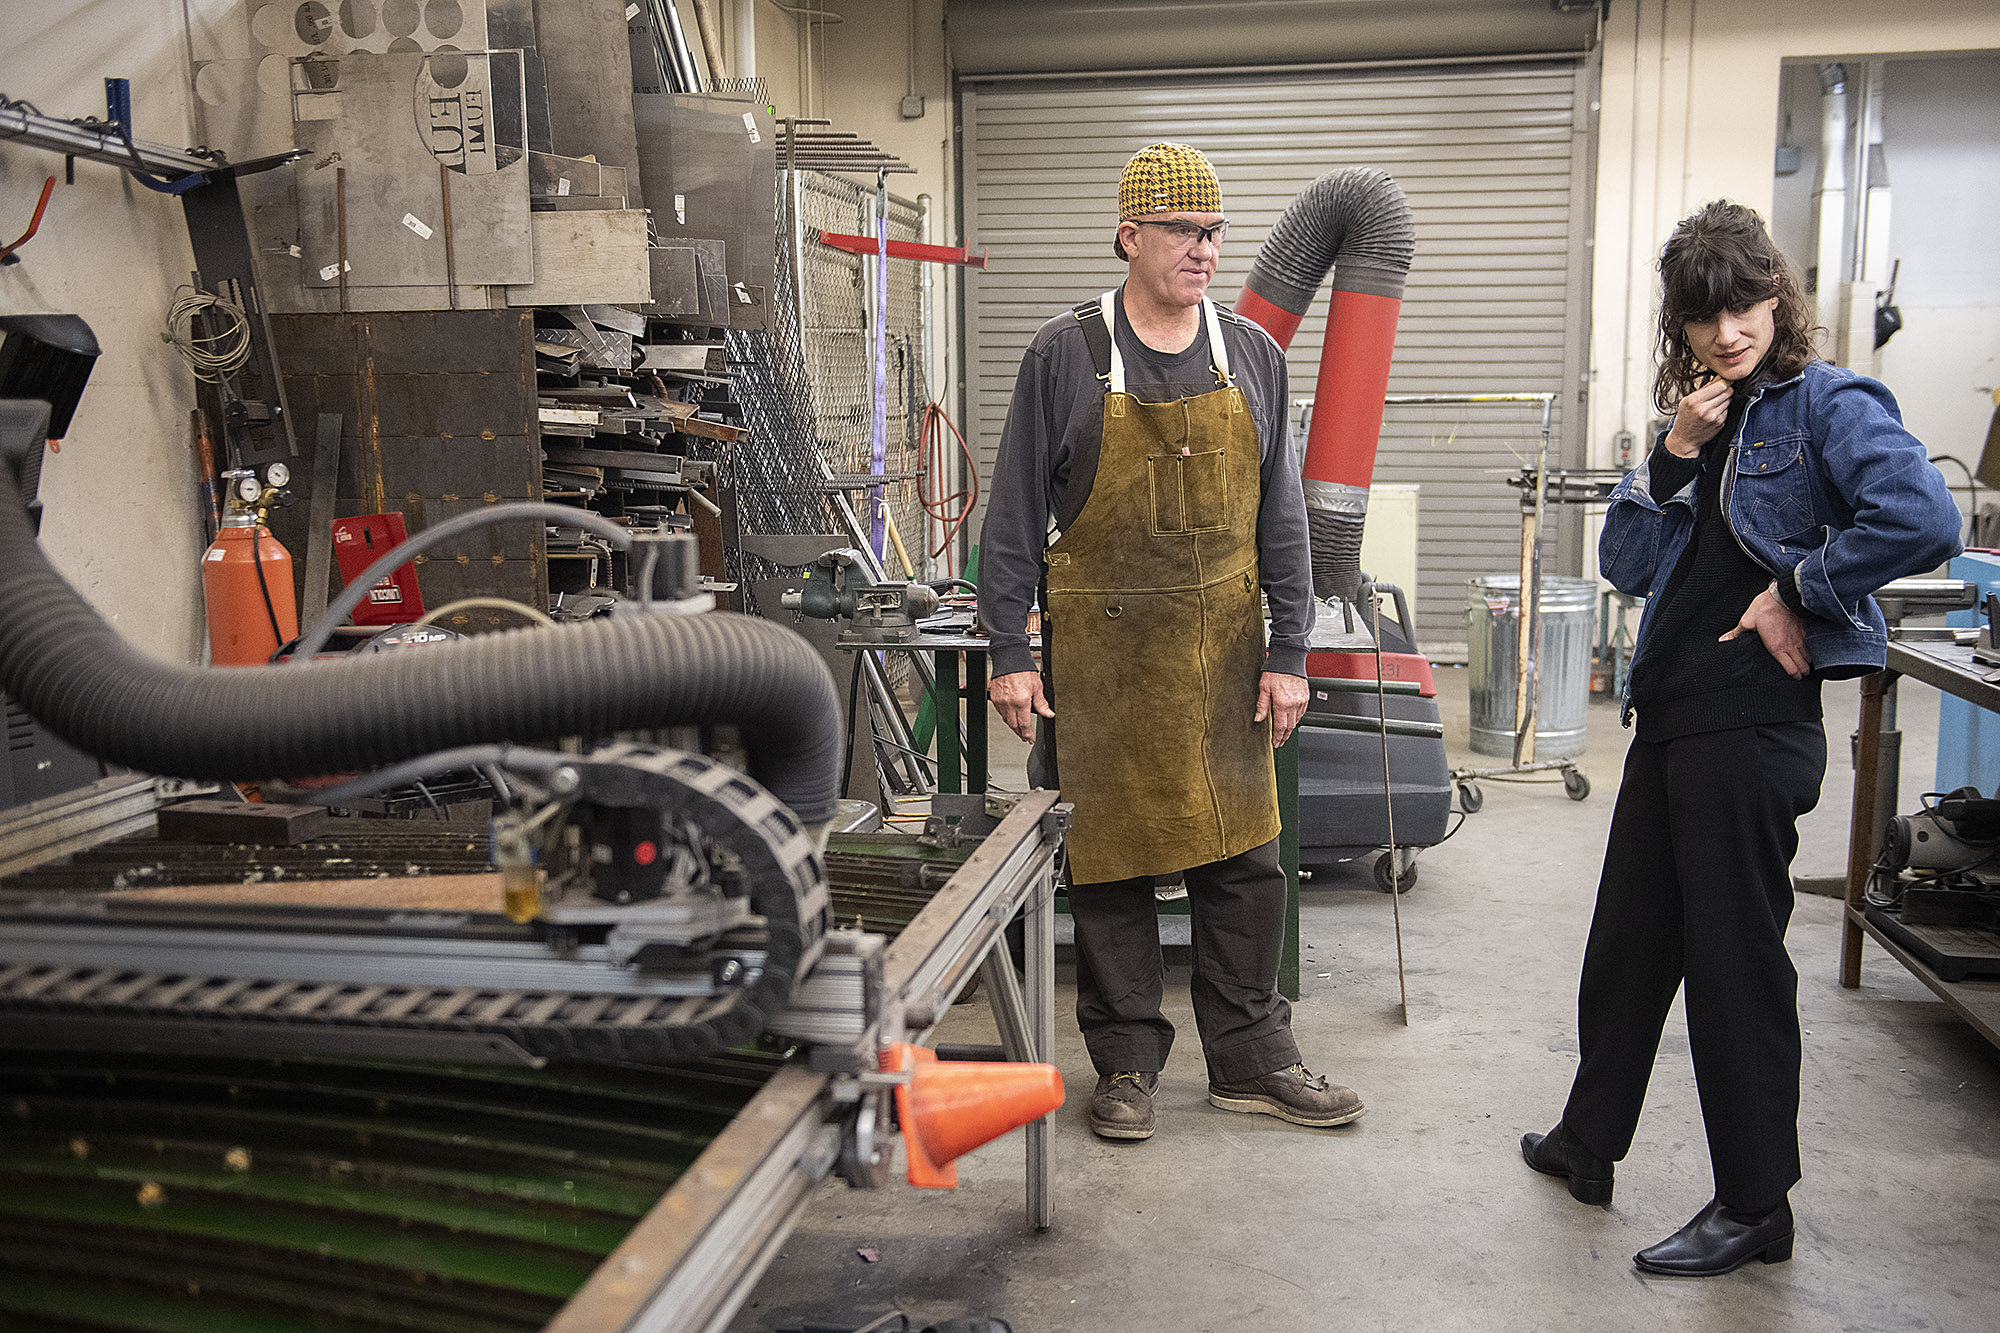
[(1697, 419), (1281, 698), (1018, 695), (1783, 633)]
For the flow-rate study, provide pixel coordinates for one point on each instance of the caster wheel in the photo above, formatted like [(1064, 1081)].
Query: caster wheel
[(1403, 883), (1470, 797), (1576, 784)]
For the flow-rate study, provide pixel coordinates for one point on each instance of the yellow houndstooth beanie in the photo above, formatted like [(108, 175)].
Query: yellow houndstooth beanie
[(1168, 178)]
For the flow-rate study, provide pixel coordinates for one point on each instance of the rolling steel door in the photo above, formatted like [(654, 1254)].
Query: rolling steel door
[(1495, 159)]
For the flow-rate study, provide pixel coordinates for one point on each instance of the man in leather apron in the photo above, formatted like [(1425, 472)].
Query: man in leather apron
[(1146, 490)]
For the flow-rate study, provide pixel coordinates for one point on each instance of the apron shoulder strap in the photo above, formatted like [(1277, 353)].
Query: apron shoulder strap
[(1098, 318), (1090, 314), (1218, 351)]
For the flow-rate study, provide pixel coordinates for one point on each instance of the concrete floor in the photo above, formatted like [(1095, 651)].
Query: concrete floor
[(1422, 1215)]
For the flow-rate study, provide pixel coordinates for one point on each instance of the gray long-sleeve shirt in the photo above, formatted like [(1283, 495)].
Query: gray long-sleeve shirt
[(1048, 459)]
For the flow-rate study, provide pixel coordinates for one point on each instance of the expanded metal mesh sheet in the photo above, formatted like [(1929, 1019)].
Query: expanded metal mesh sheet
[(808, 386)]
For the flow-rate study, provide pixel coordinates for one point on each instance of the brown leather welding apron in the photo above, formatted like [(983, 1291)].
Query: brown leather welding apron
[(1157, 641)]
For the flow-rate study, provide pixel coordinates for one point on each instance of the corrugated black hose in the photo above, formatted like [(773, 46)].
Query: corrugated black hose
[(77, 676), (1356, 215), (1355, 222)]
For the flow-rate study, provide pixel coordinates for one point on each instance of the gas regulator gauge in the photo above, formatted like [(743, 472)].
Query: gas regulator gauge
[(248, 489), (276, 475)]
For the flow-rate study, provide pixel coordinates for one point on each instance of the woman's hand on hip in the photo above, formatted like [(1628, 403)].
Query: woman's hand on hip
[(1783, 633), (1697, 419), (1018, 697)]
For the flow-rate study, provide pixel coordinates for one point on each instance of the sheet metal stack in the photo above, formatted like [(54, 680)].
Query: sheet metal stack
[(489, 201)]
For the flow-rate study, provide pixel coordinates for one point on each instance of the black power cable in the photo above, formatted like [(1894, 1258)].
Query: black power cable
[(270, 611)]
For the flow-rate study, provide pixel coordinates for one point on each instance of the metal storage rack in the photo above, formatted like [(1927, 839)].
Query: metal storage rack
[(1948, 667)]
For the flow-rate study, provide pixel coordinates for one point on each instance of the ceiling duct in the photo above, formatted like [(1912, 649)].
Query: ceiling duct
[(1025, 37)]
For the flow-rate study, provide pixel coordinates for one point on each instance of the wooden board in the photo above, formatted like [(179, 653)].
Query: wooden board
[(712, 430), (258, 823), (435, 893)]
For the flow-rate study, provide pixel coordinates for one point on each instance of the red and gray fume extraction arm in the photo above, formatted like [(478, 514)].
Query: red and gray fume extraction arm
[(1355, 222)]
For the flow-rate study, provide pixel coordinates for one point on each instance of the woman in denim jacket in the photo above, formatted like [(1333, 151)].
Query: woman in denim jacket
[(1784, 492)]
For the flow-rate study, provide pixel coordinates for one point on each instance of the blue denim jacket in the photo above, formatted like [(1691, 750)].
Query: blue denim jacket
[(1822, 486)]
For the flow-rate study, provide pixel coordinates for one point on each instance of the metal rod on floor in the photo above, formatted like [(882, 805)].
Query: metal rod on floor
[(1038, 917), (1389, 805)]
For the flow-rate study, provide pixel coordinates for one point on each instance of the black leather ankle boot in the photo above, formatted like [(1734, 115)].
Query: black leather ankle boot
[(1721, 1240), (1557, 1153)]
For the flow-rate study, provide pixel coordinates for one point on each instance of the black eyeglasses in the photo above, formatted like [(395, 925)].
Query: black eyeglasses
[(1187, 233)]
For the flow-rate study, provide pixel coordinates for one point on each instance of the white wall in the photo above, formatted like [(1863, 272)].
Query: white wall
[(856, 73), (1942, 142), (1690, 110), (121, 520), (867, 67)]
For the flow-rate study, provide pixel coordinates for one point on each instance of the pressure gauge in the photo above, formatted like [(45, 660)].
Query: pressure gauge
[(248, 489), (276, 475)]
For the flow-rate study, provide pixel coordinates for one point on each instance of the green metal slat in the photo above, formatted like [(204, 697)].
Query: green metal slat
[(332, 1194), (337, 1193), (593, 1192), (243, 1127), (538, 1270), (57, 1302), (324, 1293)]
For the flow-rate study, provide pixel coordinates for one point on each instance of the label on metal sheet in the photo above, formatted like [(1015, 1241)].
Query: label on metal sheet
[(750, 124), (562, 186), (681, 209), (218, 554), (416, 224), (332, 271), (631, 12)]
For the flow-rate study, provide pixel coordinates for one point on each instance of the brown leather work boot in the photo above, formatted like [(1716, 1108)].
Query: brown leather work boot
[(1122, 1106), (1294, 1093)]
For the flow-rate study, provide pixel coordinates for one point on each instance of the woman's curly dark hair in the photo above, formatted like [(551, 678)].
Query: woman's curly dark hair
[(1723, 259)]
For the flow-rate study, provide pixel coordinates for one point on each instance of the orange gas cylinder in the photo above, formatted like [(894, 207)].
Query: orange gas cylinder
[(246, 579)]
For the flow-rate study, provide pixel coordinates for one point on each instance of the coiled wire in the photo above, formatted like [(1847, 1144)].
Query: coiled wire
[(216, 357)]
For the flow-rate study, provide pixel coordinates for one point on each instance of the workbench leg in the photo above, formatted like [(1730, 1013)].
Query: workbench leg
[(1039, 915), (975, 722), (1287, 760), (1864, 822), (944, 693)]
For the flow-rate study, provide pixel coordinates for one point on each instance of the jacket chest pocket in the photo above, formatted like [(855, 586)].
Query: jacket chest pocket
[(1774, 486), (1190, 492)]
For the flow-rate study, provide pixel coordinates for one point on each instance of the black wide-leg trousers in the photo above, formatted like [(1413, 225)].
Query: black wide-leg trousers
[(1237, 911), (1697, 888)]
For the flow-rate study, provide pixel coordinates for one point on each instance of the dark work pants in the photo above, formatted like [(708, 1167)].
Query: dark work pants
[(1697, 887), (1237, 908)]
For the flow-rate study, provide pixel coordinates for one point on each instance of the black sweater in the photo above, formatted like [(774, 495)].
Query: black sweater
[(1685, 680)]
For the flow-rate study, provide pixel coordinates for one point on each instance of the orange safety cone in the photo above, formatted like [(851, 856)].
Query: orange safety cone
[(948, 1109)]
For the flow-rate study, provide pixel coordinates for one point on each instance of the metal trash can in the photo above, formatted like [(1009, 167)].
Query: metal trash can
[(1562, 695)]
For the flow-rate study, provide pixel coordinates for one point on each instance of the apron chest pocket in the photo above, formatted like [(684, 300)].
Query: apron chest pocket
[(1190, 493)]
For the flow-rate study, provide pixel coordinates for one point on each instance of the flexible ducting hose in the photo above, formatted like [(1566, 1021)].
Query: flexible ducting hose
[(1356, 223), (75, 674)]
